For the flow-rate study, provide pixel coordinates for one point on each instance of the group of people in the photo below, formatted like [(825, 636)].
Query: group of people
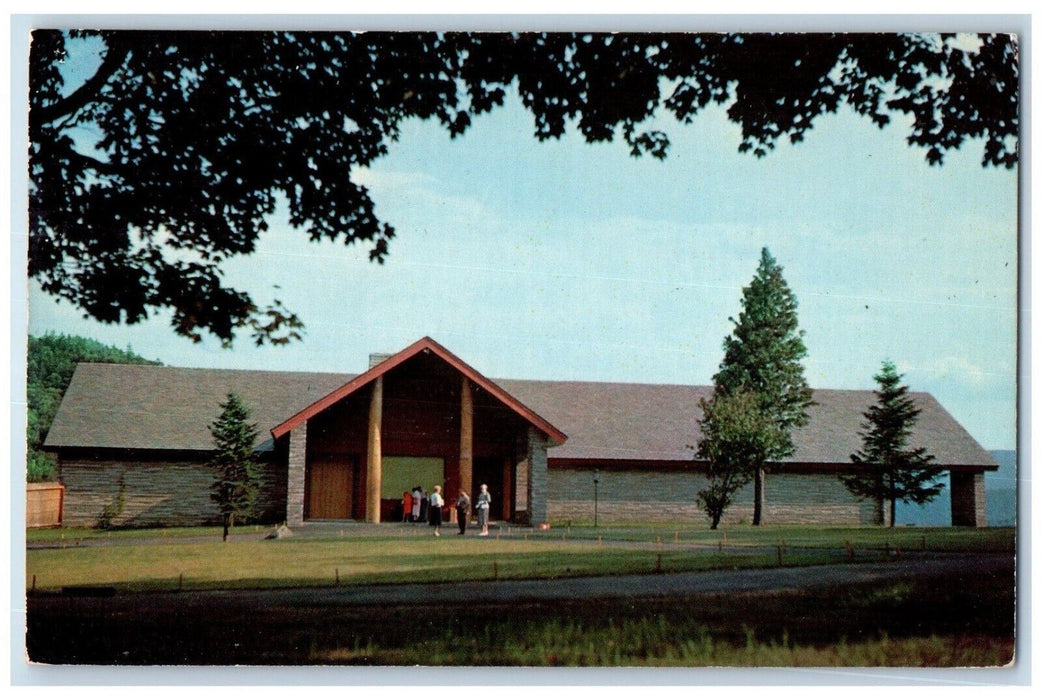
[(418, 506)]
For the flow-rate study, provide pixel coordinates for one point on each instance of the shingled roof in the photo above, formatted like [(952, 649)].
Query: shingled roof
[(658, 421), (169, 408)]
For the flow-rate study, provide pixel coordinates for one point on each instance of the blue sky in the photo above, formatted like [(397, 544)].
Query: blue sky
[(563, 260)]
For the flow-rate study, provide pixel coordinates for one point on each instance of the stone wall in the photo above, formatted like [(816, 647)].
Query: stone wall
[(670, 496), (154, 493), (539, 488), (296, 474), (968, 500)]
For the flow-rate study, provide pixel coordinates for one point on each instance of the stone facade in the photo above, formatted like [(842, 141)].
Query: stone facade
[(538, 479), (296, 474), (968, 500), (133, 493), (651, 495)]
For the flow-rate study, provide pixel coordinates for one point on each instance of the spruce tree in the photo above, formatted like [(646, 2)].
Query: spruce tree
[(235, 487), (763, 355), (890, 471)]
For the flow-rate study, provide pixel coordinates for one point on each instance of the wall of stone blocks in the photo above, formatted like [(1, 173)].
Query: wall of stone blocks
[(671, 496), (155, 493), (968, 500)]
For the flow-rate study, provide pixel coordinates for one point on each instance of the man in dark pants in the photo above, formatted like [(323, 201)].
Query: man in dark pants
[(462, 511)]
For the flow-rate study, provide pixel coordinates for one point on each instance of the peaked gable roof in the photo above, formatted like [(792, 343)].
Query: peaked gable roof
[(170, 408), (424, 345)]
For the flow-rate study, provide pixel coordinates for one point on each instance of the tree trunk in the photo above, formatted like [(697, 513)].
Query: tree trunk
[(893, 500), (227, 525), (758, 492)]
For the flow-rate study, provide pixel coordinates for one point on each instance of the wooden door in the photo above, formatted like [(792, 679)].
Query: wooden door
[(489, 470), (331, 481)]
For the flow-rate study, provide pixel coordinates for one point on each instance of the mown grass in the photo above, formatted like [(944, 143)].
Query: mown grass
[(260, 564), (828, 537), (72, 535), (195, 558), (935, 539)]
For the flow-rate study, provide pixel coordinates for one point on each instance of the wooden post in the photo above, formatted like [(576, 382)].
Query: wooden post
[(507, 499), (374, 471), (466, 439)]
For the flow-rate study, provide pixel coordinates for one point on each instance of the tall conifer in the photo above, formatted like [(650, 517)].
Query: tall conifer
[(235, 487), (763, 355), (890, 471)]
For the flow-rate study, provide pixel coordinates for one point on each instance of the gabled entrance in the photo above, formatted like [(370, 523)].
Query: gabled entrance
[(423, 403)]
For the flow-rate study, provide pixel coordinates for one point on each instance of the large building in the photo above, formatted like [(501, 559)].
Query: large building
[(133, 441)]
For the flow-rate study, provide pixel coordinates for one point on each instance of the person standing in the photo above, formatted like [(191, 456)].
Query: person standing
[(462, 511), (482, 507), (434, 506), (417, 494), (406, 506)]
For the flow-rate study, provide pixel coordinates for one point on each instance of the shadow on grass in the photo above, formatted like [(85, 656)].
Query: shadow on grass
[(966, 619)]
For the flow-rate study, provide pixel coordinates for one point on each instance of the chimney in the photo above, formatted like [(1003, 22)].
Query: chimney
[(376, 358)]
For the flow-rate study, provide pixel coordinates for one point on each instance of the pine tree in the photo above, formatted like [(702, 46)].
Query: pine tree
[(735, 434), (235, 488), (763, 355), (890, 471)]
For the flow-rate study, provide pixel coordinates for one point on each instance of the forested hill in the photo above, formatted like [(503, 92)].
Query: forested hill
[(51, 361)]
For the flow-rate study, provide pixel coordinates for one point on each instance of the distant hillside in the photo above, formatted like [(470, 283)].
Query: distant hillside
[(51, 360), (1000, 487)]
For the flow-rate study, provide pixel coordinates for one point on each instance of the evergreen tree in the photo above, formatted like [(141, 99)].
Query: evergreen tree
[(736, 435), (51, 360), (235, 488), (763, 355), (890, 471)]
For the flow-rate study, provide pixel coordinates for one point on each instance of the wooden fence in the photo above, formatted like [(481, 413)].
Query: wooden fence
[(43, 505)]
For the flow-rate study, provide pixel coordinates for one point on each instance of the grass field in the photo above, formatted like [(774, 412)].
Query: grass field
[(943, 621), (196, 558), (959, 621), (967, 621)]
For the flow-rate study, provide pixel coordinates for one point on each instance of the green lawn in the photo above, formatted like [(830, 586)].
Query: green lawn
[(195, 558)]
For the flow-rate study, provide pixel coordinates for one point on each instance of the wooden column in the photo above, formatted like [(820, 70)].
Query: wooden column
[(507, 499), (466, 439), (374, 469)]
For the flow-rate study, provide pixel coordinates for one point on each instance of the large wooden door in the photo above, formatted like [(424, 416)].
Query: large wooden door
[(331, 482), (489, 470)]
